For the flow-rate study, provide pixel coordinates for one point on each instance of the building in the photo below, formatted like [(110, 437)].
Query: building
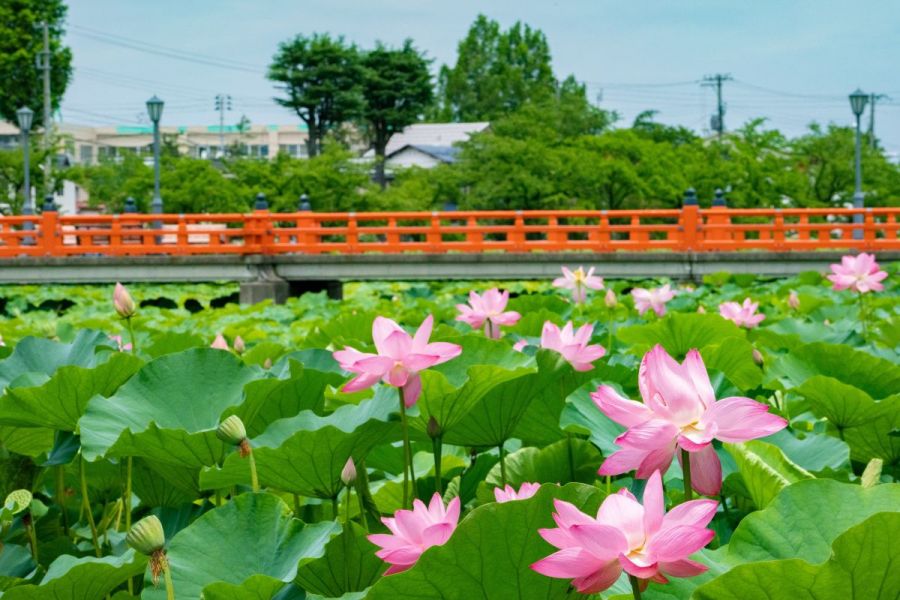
[(427, 145)]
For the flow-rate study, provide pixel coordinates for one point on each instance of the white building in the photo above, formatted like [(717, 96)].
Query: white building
[(427, 145)]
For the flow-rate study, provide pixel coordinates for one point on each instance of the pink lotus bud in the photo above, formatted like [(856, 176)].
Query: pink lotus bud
[(239, 345), (122, 302), (610, 299), (267, 364), (793, 300), (757, 357), (348, 473), (701, 310), (219, 343)]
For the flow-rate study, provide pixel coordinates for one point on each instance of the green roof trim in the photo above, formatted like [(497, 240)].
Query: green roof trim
[(133, 129), (225, 129)]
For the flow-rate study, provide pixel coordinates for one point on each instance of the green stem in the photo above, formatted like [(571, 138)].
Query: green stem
[(502, 465), (33, 538), (61, 497), (335, 508), (609, 333), (254, 480), (86, 504), (170, 588), (347, 515), (608, 485), (437, 443), (863, 316), (296, 506), (407, 455), (218, 498), (362, 512), (686, 470), (126, 499), (131, 335), (571, 452), (635, 587)]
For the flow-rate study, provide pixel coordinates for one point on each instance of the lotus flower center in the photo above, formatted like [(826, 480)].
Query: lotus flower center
[(693, 427)]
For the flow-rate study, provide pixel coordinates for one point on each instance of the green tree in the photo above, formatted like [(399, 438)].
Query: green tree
[(677, 135), (12, 175), (397, 90), (321, 78), (495, 73), (21, 41)]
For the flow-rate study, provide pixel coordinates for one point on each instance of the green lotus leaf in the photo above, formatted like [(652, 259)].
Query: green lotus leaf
[(765, 470), (169, 410), (564, 461), (581, 415), (15, 565), (256, 587), (805, 519), (680, 332), (28, 441), (874, 439), (37, 355), (305, 454), (843, 404), (489, 554), (863, 566), (875, 376), (60, 401), (253, 535), (87, 578), (349, 565), (733, 357), (812, 451)]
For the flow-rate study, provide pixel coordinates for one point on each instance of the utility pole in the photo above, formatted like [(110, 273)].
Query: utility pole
[(223, 103), (873, 98), (43, 64), (718, 120)]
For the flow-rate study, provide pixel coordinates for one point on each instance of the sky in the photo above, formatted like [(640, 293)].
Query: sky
[(791, 62)]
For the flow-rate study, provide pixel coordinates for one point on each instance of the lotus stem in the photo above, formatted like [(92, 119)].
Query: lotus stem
[(126, 499), (335, 509), (362, 512), (502, 465), (608, 485), (347, 504), (32, 536), (170, 587), (86, 505), (296, 506), (686, 470), (635, 587), (407, 455), (131, 335), (437, 443), (61, 496), (254, 479), (863, 317)]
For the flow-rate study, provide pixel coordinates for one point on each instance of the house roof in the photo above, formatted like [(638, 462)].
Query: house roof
[(431, 134), (445, 154)]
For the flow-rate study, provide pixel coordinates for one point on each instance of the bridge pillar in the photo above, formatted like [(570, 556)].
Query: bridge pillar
[(276, 290)]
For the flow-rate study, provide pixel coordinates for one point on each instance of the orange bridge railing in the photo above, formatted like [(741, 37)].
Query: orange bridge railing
[(689, 229)]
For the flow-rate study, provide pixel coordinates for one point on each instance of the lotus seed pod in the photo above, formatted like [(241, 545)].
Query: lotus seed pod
[(146, 536), (348, 473), (17, 501), (122, 302), (232, 431)]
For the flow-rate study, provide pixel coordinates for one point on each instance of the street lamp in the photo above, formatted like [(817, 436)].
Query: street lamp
[(858, 101), (25, 116), (154, 109)]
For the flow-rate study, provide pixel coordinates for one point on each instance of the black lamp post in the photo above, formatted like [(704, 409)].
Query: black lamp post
[(25, 116), (154, 109), (858, 101)]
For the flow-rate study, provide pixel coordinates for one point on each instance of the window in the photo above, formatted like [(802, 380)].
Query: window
[(259, 150), (289, 149), (86, 154)]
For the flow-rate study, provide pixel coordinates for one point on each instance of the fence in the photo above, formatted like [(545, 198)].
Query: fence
[(689, 229)]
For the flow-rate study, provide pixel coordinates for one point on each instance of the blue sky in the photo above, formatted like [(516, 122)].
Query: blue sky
[(792, 61)]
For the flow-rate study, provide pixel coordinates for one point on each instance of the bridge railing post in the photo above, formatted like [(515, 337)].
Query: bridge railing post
[(352, 233), (718, 222), (48, 235), (779, 237), (869, 229), (517, 233), (690, 228), (433, 237)]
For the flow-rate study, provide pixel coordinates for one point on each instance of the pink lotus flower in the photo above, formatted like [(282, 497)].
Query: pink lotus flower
[(793, 300), (578, 281), (680, 411), (645, 541), (219, 343), (574, 346), (742, 315), (860, 273), (488, 310), (414, 531), (508, 493), (123, 302), (399, 358), (654, 299), (115, 338)]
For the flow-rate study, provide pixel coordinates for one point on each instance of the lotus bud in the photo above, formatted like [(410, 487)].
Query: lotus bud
[(701, 310), (793, 300), (239, 345), (433, 428), (610, 299), (219, 343), (348, 473), (267, 364), (122, 302), (520, 345), (757, 357), (146, 536)]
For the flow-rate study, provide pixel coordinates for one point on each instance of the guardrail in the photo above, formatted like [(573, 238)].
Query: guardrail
[(689, 229)]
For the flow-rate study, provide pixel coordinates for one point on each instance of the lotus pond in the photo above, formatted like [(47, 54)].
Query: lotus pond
[(737, 438)]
